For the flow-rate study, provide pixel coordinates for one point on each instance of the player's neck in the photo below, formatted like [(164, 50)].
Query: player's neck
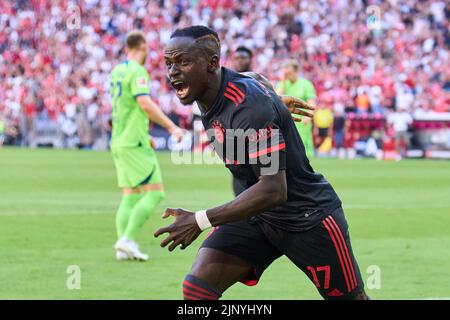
[(215, 82), (132, 57)]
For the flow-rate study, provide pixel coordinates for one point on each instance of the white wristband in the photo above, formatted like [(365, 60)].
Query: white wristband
[(202, 220)]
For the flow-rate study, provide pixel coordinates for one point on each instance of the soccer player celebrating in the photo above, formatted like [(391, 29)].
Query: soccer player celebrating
[(137, 168), (287, 208)]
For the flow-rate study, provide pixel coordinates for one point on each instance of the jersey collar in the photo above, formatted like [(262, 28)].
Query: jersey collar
[(218, 101)]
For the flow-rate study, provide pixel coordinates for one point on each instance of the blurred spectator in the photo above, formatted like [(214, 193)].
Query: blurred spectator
[(84, 130), (375, 100), (374, 145), (362, 101), (339, 130), (323, 128), (2, 131), (400, 121)]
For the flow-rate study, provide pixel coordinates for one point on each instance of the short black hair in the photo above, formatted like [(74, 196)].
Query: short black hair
[(194, 32), (202, 35), (245, 49)]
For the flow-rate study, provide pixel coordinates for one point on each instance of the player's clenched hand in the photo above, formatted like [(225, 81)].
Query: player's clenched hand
[(296, 105), (177, 133), (184, 230)]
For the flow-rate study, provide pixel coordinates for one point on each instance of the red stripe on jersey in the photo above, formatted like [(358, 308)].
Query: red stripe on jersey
[(347, 254), (232, 98), (253, 155), (237, 90), (338, 251), (233, 93)]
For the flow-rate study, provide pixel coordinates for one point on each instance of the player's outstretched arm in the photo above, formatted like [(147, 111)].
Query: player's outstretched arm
[(268, 192), (155, 114), (294, 105)]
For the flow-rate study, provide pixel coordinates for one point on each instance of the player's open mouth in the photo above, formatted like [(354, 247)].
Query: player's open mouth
[(181, 88)]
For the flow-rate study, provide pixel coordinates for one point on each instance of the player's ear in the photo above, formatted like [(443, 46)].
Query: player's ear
[(213, 63)]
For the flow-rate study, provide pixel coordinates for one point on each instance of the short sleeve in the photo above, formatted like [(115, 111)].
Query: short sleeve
[(140, 83)]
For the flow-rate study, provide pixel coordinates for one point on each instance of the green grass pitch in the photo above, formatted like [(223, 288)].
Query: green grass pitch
[(57, 209)]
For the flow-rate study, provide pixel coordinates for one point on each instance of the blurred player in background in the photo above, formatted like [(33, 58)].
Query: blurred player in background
[(137, 168), (292, 85)]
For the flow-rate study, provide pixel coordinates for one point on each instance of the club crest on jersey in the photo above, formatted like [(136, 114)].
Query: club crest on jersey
[(219, 131), (141, 82)]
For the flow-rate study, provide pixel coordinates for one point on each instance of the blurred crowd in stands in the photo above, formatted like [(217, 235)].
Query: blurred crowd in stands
[(55, 57)]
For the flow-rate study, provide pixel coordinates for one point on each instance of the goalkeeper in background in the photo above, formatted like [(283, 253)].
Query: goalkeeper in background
[(137, 168), (292, 85)]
